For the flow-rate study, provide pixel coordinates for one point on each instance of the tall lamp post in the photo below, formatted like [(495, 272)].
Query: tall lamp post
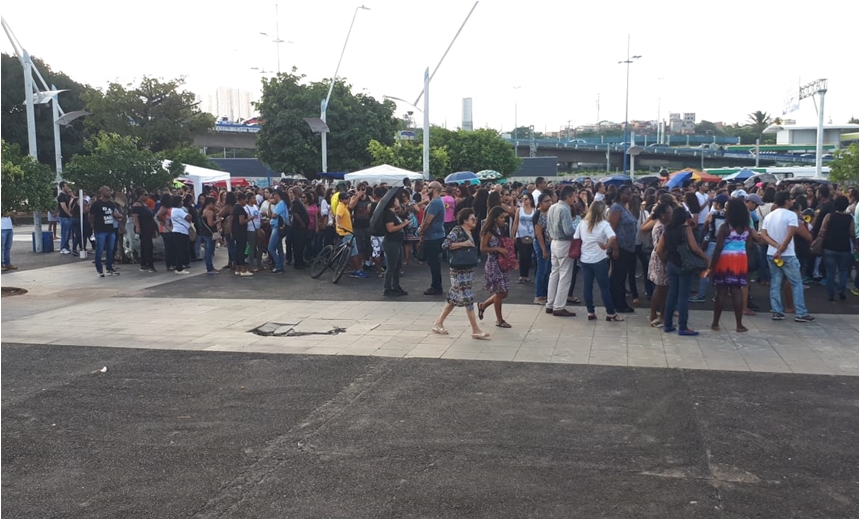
[(516, 141), (324, 103), (630, 59)]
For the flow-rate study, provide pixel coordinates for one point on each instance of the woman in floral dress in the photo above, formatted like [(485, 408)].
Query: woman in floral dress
[(660, 216), (460, 293), (497, 282)]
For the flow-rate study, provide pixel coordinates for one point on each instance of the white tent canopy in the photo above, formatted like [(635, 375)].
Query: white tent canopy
[(390, 175), (199, 175)]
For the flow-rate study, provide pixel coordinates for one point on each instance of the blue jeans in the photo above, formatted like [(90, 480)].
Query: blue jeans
[(7, 247), (65, 231), (791, 270), (276, 249), (834, 260), (544, 266), (763, 270), (105, 241), (677, 299), (209, 251), (231, 250), (600, 271)]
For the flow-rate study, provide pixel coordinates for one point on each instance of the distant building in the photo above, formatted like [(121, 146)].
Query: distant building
[(808, 135), (679, 124), (234, 104), (467, 114)]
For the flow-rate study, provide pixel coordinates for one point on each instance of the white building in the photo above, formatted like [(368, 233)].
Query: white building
[(808, 135), (234, 104)]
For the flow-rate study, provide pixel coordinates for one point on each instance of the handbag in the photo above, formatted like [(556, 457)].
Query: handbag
[(690, 262), (527, 240), (575, 250), (192, 233), (463, 257), (509, 261)]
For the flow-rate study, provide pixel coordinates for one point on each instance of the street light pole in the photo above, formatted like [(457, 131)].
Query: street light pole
[(628, 61), (324, 103), (516, 140)]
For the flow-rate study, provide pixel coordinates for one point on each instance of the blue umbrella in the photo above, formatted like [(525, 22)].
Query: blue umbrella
[(616, 180), (462, 177), (740, 175), (677, 180)]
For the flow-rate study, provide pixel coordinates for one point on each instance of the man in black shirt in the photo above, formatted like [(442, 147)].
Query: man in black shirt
[(64, 203), (103, 214)]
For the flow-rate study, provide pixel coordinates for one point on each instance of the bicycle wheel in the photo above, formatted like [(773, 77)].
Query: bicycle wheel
[(321, 262), (340, 264)]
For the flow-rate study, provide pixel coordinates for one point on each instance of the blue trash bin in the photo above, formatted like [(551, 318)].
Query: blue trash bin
[(47, 241)]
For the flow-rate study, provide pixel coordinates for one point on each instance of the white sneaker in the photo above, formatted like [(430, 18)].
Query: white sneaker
[(65, 251), (183, 271)]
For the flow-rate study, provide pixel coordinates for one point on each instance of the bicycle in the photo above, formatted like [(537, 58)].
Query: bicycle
[(336, 257)]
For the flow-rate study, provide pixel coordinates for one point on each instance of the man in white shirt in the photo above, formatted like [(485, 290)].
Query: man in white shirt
[(540, 186), (8, 233), (778, 229), (702, 190)]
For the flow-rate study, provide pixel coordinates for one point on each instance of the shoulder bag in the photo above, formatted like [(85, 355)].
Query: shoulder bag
[(691, 263), (463, 257)]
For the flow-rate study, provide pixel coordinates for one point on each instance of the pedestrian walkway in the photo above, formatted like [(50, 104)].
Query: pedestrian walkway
[(63, 307)]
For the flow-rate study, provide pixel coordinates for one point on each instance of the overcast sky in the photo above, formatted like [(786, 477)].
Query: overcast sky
[(720, 60)]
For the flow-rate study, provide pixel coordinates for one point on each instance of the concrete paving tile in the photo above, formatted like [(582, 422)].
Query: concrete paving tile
[(460, 354), (647, 361), (496, 356)]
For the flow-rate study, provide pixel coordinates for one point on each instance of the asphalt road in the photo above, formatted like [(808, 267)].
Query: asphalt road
[(208, 434)]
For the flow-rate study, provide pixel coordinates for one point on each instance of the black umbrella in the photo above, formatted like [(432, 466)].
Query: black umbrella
[(762, 177), (383, 203), (649, 180)]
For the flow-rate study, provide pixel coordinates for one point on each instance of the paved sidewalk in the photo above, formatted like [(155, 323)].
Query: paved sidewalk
[(65, 308)]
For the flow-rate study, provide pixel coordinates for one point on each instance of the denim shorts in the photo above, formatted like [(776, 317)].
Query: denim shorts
[(346, 238)]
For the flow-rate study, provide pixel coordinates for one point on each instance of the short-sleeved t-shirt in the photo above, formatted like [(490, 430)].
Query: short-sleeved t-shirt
[(591, 240), (180, 225), (777, 224), (61, 198), (145, 218), (390, 216), (239, 230), (343, 221), (703, 203), (102, 212), (436, 229)]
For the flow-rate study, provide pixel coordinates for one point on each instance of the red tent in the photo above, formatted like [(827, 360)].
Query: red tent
[(234, 181)]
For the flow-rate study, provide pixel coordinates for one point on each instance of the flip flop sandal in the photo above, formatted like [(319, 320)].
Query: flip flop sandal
[(481, 335), (503, 324), (439, 330), (481, 309)]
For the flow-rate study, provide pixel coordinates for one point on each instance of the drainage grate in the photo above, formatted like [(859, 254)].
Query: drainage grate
[(275, 329)]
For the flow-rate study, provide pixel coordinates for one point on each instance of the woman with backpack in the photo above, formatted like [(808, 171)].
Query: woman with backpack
[(495, 274)]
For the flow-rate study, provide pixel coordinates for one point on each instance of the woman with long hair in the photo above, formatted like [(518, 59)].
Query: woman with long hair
[(460, 293), (314, 236), (165, 228), (225, 215), (541, 247), (496, 279), (660, 216), (729, 260), (208, 225), (597, 239), (624, 224), (300, 227), (678, 233), (524, 230), (392, 246)]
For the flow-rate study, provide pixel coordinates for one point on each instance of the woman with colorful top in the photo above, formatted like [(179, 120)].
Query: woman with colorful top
[(660, 217), (729, 262)]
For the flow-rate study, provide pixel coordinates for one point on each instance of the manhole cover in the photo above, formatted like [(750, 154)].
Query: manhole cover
[(13, 291), (272, 328)]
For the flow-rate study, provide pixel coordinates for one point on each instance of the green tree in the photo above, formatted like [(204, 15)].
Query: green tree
[(853, 121), (703, 127), (117, 162), (189, 155), (844, 166), (410, 156), (13, 120), (758, 122), (524, 133), (287, 143), (25, 184), (158, 114), (481, 150)]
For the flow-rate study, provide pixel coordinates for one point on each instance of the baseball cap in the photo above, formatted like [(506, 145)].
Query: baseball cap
[(722, 198), (739, 194), (343, 195), (755, 198)]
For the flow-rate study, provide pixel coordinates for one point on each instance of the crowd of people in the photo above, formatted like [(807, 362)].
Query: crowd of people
[(681, 241)]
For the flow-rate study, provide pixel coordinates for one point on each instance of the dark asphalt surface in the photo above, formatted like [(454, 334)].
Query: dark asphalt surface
[(206, 434)]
